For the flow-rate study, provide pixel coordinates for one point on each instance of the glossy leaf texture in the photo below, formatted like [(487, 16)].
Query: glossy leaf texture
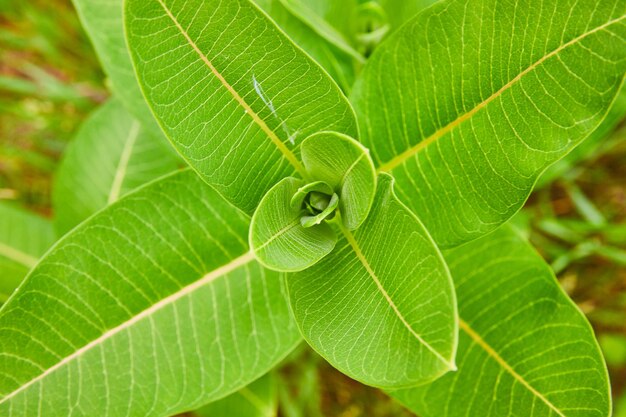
[(111, 155), (103, 22), (277, 237), (381, 307), (258, 399), (24, 237), (339, 64), (244, 95), (472, 100), (152, 307), (524, 348)]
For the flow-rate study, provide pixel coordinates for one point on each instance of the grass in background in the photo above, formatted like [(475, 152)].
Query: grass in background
[(49, 80)]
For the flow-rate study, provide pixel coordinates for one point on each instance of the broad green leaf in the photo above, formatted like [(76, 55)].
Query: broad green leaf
[(103, 21), (152, 307), (331, 19), (472, 100), (339, 64), (111, 155), (345, 165), (381, 307), (24, 237), (589, 147), (258, 399), (231, 91), (524, 348), (277, 236)]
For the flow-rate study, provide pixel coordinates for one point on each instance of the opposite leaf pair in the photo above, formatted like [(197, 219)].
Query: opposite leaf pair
[(290, 229)]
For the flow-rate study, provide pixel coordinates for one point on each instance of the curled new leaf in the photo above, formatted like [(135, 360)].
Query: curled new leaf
[(289, 230), (277, 235), (346, 166)]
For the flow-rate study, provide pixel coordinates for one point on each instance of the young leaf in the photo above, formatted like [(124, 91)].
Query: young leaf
[(524, 349), (24, 237), (381, 307), (110, 155), (152, 307), (345, 165), (245, 96), (258, 399), (277, 236), (103, 21), (468, 103)]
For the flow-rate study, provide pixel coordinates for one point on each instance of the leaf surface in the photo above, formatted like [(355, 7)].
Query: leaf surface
[(24, 237), (111, 155), (152, 307), (345, 165), (381, 307), (472, 100), (588, 149), (524, 347), (340, 65), (277, 236), (232, 92)]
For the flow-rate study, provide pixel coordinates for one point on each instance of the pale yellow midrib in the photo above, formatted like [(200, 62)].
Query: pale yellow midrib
[(17, 255), (254, 399), (257, 119), (122, 167), (401, 158), (211, 276), (357, 250), (493, 354)]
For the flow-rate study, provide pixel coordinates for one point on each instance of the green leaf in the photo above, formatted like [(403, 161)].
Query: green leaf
[(590, 147), (339, 64), (524, 349), (258, 399), (245, 96), (111, 155), (24, 237), (472, 100), (345, 165), (152, 307), (104, 23), (381, 307), (277, 237), (331, 19)]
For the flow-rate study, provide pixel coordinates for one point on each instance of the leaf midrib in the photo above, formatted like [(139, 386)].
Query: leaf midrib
[(494, 355), (17, 255), (255, 117), (412, 151), (359, 254), (184, 291), (122, 166)]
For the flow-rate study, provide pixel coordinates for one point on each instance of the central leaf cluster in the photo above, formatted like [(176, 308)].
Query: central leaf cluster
[(318, 200), (291, 228)]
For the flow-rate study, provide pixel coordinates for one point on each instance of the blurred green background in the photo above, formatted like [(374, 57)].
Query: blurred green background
[(50, 80)]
